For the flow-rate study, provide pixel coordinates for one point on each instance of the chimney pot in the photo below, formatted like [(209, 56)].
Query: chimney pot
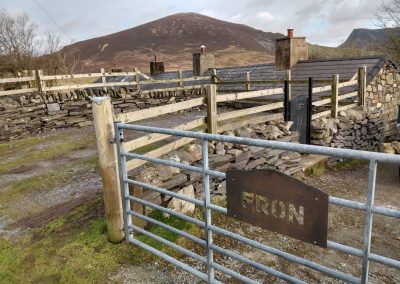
[(155, 57), (202, 49), (290, 32)]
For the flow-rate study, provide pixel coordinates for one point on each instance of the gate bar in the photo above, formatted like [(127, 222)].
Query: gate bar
[(312, 149), (168, 227), (302, 261), (170, 259)]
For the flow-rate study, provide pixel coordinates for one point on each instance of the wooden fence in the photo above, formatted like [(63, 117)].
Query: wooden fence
[(37, 82), (213, 122)]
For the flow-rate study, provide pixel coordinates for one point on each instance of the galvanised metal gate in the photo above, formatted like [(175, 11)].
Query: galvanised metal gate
[(210, 229)]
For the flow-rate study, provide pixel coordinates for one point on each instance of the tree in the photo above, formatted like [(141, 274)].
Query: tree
[(18, 42), (388, 17)]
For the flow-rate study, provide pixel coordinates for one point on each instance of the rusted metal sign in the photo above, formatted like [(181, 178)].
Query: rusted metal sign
[(277, 202)]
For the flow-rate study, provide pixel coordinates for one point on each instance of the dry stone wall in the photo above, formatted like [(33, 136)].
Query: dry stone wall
[(353, 129), (222, 156), (383, 96), (35, 113)]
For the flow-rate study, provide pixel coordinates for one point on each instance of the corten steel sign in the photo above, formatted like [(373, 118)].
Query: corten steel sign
[(280, 203)]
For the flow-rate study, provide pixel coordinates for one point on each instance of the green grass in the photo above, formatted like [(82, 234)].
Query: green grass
[(75, 249), (349, 165), (318, 170)]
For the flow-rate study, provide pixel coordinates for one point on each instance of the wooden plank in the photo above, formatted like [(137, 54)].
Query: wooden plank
[(334, 96), (322, 102), (252, 120), (155, 137), (135, 163), (321, 114), (261, 82), (157, 111), (248, 79), (176, 80), (19, 91), (348, 83), (211, 108), (85, 86), (346, 107), (289, 79), (144, 75), (248, 111), (248, 95), (348, 95), (15, 80), (87, 75), (180, 77), (194, 87), (321, 89)]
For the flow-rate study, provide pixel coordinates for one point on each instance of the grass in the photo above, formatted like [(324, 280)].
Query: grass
[(349, 165), (318, 169), (75, 249)]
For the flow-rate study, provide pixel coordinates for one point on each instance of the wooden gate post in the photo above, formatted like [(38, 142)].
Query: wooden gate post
[(362, 85), (334, 96), (107, 150), (212, 108)]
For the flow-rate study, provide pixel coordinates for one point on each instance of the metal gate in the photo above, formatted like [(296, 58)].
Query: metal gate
[(209, 228), (299, 116)]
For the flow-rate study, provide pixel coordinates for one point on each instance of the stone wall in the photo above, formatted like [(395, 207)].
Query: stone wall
[(222, 156), (36, 113), (383, 96), (353, 129)]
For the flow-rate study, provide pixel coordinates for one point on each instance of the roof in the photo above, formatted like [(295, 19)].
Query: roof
[(347, 68)]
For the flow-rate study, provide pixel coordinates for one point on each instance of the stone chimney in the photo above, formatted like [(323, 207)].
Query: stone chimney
[(202, 62), (289, 50), (156, 67)]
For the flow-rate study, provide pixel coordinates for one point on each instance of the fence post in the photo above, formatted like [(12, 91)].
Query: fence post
[(32, 73), (108, 159), (137, 80), (103, 79), (180, 83), (286, 103), (362, 85), (309, 110), (41, 85), (289, 87), (212, 108), (213, 76), (248, 86), (335, 94)]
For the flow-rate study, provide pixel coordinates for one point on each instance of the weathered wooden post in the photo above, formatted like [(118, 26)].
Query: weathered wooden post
[(180, 83), (213, 76), (212, 108), (248, 79), (40, 83), (334, 96), (362, 85), (103, 79), (104, 128)]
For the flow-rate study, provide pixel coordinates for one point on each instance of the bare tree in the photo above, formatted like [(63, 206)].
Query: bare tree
[(18, 42), (388, 17)]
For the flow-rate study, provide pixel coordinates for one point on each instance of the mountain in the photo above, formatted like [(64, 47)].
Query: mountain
[(174, 38), (367, 38)]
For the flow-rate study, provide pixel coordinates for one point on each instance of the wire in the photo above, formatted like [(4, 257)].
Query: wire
[(54, 21)]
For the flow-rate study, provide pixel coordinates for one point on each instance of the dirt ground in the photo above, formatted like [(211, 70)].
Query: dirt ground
[(39, 185)]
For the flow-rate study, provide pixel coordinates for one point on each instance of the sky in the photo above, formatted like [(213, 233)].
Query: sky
[(324, 22)]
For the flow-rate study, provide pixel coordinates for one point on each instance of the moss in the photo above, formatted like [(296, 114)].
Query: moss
[(349, 165), (318, 169)]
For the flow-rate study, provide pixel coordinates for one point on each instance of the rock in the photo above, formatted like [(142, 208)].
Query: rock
[(218, 160), (185, 157), (220, 149), (166, 172), (53, 107), (244, 132), (175, 181), (235, 152), (256, 151), (273, 132), (254, 163), (290, 155), (244, 156), (179, 205), (221, 189), (149, 175), (195, 151), (354, 114)]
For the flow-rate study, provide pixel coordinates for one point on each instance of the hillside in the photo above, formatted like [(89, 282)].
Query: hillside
[(174, 39), (367, 38)]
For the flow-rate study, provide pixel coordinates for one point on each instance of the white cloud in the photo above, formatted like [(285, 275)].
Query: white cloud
[(265, 16)]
